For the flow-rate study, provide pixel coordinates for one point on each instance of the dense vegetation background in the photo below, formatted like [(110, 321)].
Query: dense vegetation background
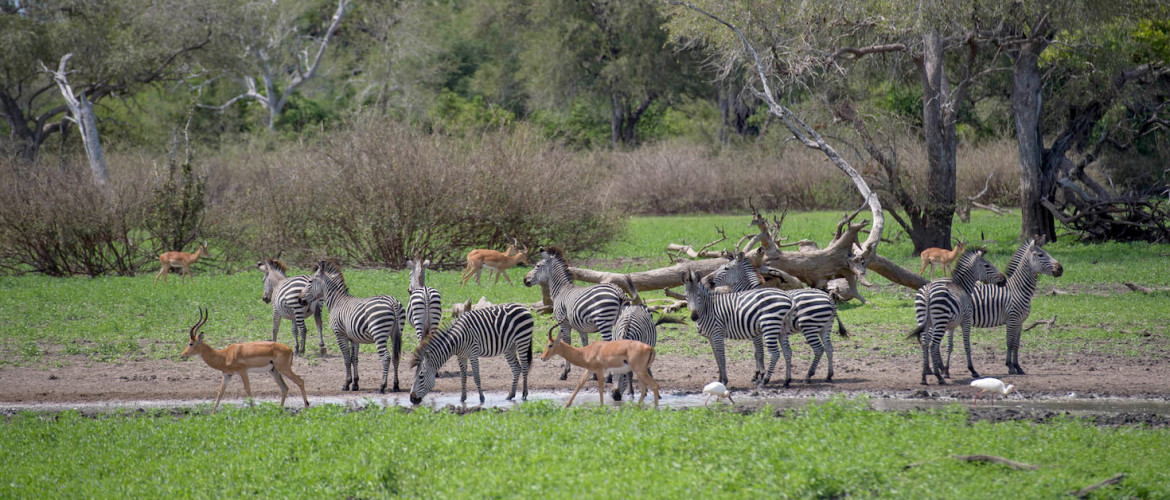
[(376, 130)]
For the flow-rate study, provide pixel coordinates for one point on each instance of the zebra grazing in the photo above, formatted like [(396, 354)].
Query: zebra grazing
[(504, 329), (371, 320), (944, 304), (1010, 305), (753, 315), (284, 295), (813, 312), (585, 309), (425, 307)]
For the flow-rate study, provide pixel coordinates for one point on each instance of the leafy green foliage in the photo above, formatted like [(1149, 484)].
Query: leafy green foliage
[(835, 449)]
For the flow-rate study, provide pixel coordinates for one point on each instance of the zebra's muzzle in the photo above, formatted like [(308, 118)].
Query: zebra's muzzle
[(414, 400), (694, 316), (1057, 270)]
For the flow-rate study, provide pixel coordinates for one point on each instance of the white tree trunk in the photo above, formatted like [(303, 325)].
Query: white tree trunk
[(81, 113)]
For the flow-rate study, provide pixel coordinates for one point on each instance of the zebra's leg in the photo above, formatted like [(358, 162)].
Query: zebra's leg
[(1014, 327), (787, 349), (720, 359), (299, 333), (967, 348), (828, 342), (320, 335), (343, 346), (475, 373), (384, 355), (354, 348), (758, 353), (396, 339), (567, 337), (936, 353), (514, 364), (276, 324), (525, 366), (462, 380), (950, 350), (813, 338), (924, 340), (772, 343), (618, 385)]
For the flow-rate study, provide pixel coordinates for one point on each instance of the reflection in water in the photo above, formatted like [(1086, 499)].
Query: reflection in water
[(677, 400)]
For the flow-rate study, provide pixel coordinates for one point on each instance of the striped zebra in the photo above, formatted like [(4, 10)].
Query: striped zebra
[(636, 322), (751, 315), (504, 329), (284, 295), (1010, 305), (585, 309), (944, 304), (425, 307), (813, 312), (354, 320)]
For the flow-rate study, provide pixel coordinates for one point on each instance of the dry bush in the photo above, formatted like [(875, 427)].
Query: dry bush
[(998, 159), (54, 221), (668, 179), (377, 192)]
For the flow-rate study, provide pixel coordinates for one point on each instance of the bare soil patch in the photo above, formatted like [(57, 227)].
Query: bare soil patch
[(1050, 374)]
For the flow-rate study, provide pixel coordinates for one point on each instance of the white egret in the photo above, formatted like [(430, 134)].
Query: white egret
[(992, 386), (718, 390)]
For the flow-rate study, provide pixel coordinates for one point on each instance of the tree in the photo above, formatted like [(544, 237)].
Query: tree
[(81, 113), (120, 46), (615, 52), (1105, 66), (284, 54), (831, 46)]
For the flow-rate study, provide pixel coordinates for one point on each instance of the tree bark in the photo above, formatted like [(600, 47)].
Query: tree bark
[(1036, 179), (939, 111), (83, 115)]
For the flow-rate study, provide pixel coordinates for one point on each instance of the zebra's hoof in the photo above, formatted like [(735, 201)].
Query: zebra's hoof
[(617, 395), (510, 396), (323, 351), (481, 399), (564, 376)]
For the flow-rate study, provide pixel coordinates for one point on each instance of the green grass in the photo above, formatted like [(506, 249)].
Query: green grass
[(120, 318), (539, 450)]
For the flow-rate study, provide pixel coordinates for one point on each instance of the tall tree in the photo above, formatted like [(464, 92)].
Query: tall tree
[(119, 46), (283, 53), (616, 52), (825, 44)]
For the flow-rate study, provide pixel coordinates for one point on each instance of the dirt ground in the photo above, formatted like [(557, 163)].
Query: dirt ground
[(1050, 375)]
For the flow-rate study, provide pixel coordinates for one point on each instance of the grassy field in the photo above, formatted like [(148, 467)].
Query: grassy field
[(119, 318), (538, 449), (829, 450)]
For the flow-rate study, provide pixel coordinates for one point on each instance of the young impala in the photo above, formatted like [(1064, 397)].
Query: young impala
[(603, 358), (940, 256), (494, 261), (238, 359), (182, 260)]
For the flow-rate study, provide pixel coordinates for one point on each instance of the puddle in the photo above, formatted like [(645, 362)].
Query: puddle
[(1074, 406)]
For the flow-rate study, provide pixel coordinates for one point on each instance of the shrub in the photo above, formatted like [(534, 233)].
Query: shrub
[(56, 222)]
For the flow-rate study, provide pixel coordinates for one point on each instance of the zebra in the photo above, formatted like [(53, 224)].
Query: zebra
[(636, 322), (284, 295), (1010, 305), (944, 304), (503, 329), (752, 315), (813, 312), (585, 309), (354, 320), (425, 307)]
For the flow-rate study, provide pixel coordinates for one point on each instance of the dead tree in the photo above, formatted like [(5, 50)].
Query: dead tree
[(81, 113)]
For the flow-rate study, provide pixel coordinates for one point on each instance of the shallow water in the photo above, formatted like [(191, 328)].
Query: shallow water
[(1074, 406)]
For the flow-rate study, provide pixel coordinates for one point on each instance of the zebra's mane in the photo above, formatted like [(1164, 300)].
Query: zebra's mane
[(555, 252), (331, 267), (276, 265), (435, 332)]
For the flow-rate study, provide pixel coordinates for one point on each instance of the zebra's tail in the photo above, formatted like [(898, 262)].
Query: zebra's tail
[(529, 355), (841, 328), (917, 333)]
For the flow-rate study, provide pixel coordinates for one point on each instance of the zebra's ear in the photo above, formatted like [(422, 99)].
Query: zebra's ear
[(683, 277)]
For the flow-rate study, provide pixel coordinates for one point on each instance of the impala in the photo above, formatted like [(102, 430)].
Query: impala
[(603, 358), (494, 261), (940, 256), (238, 359), (181, 260)]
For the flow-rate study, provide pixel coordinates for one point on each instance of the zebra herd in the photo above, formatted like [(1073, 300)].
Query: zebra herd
[(730, 303)]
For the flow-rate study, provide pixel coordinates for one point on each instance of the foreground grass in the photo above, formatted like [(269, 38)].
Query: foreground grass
[(538, 449), (119, 318)]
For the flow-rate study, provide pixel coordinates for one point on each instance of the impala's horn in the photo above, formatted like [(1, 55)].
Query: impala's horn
[(202, 320), (550, 330)]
